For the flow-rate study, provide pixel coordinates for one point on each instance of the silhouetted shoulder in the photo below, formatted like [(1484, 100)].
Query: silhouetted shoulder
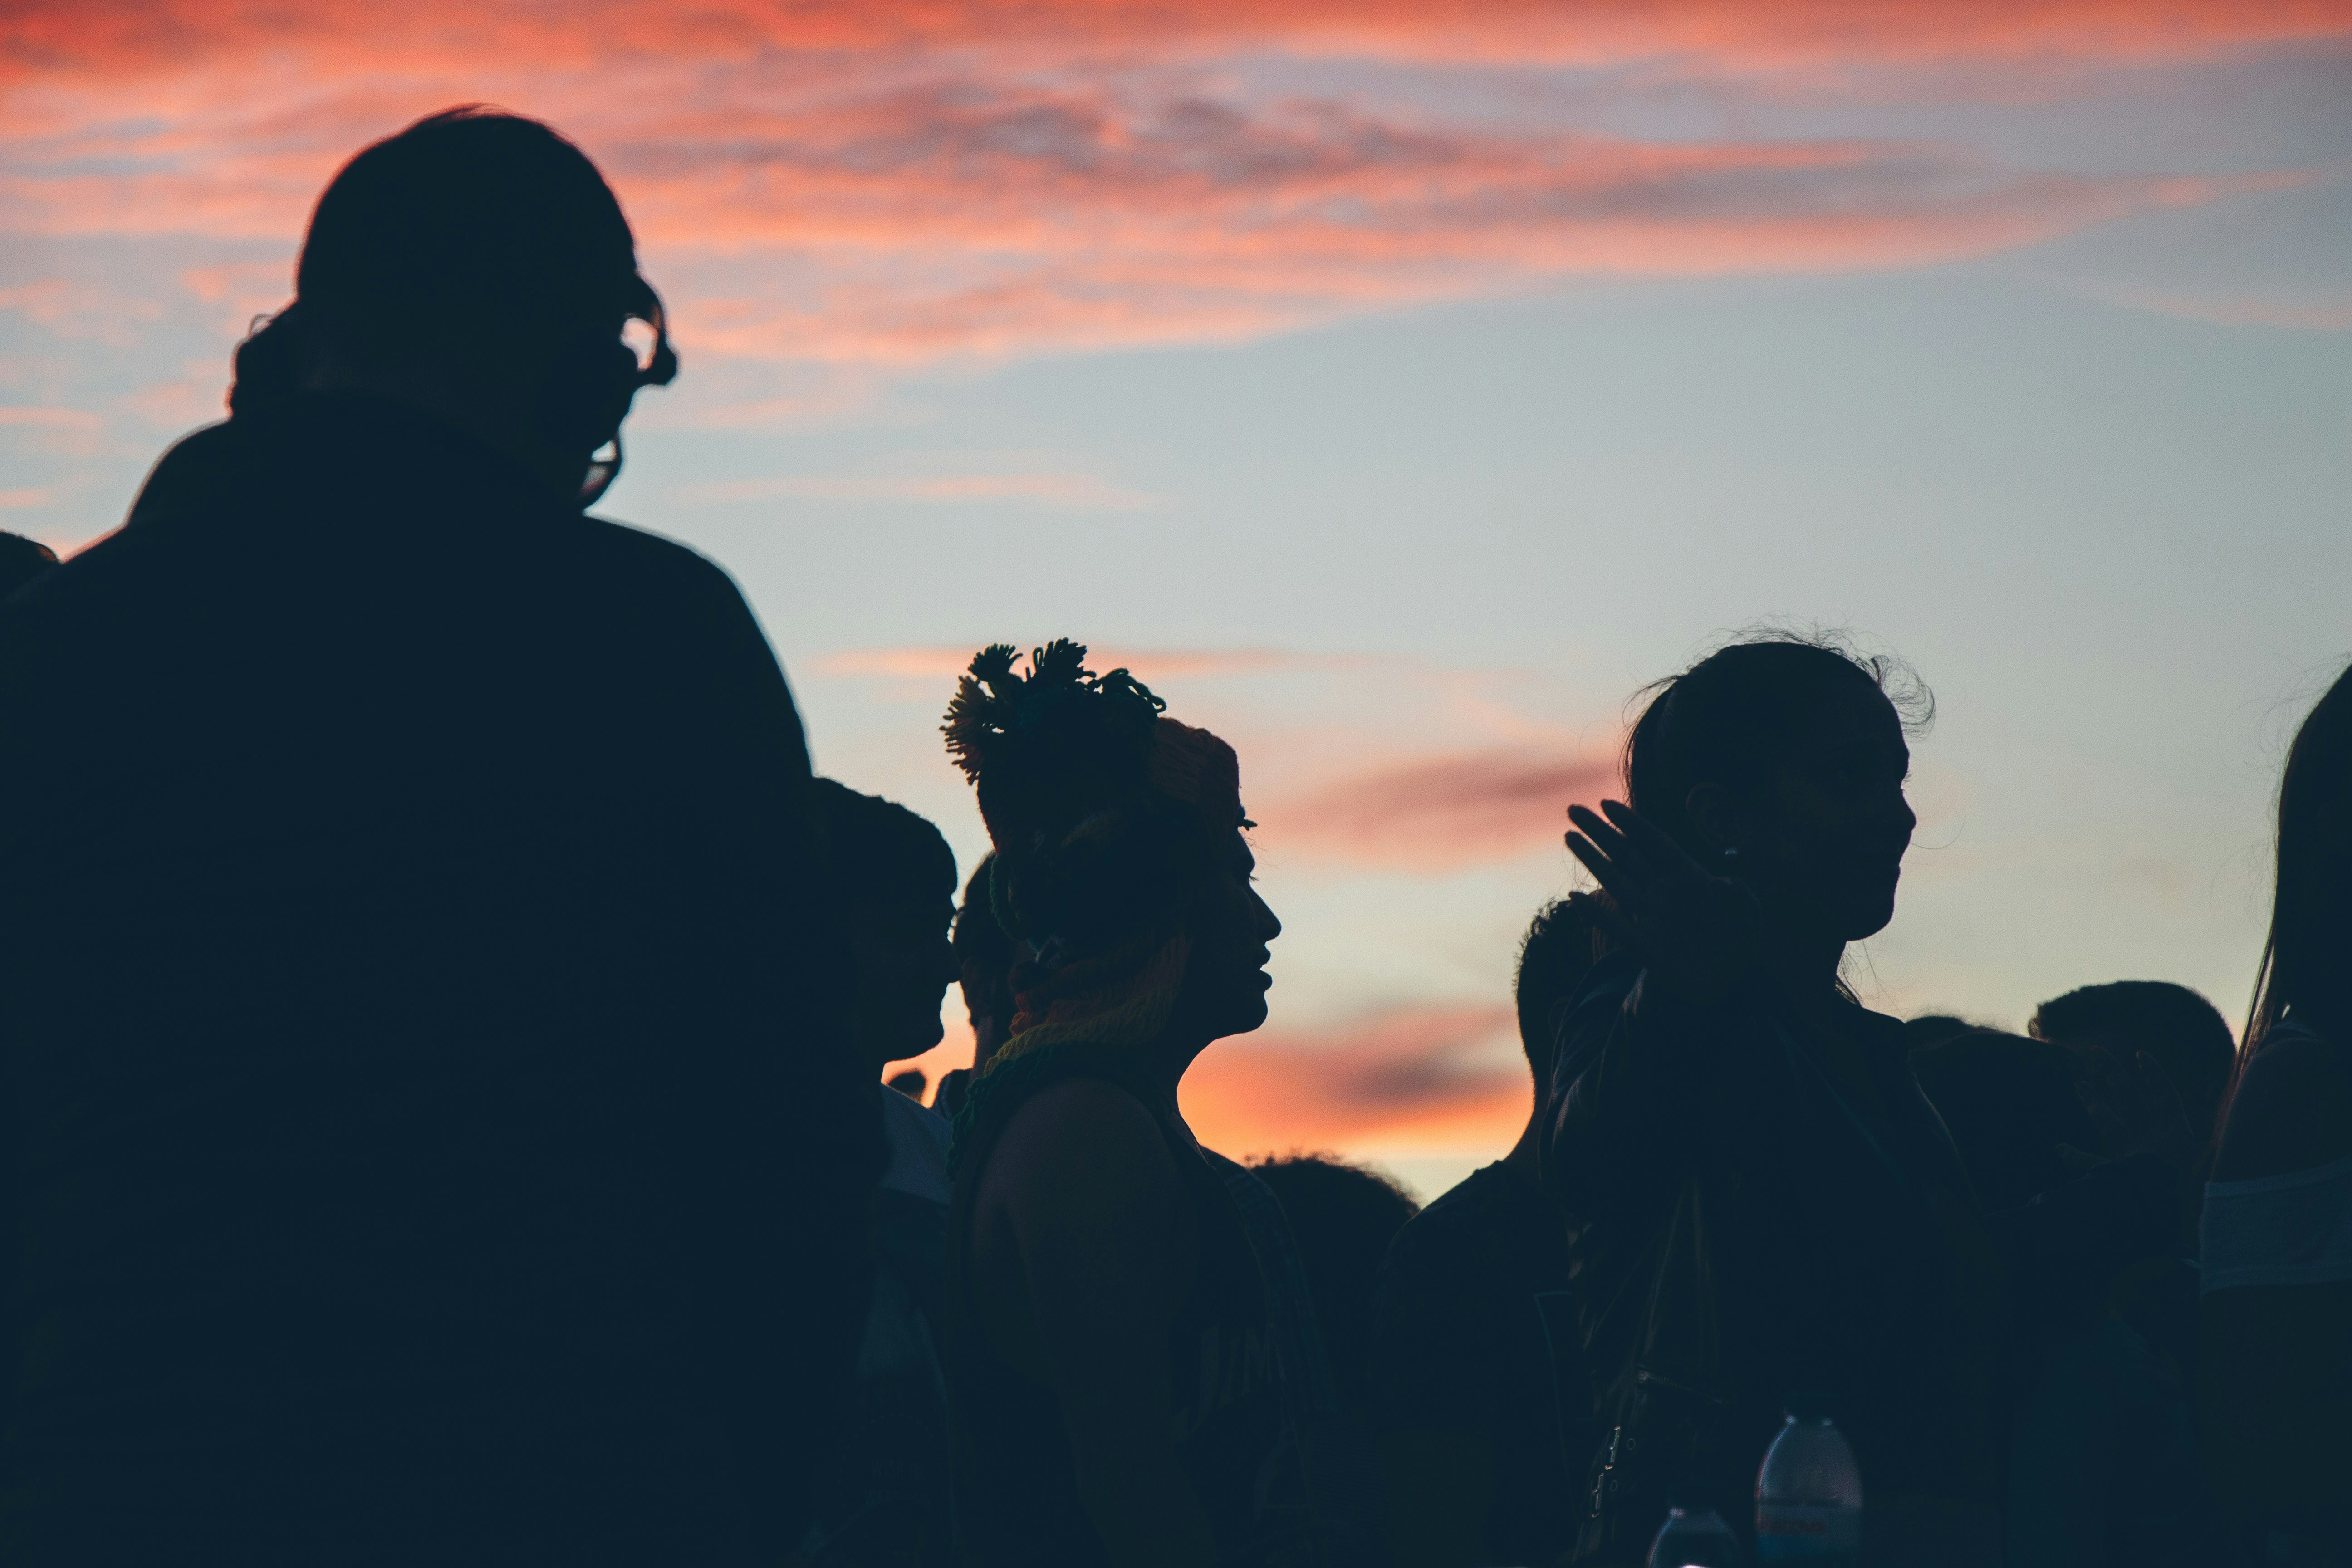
[(1085, 1133), (655, 560), (1491, 1216), (686, 601), (1452, 1225), (2292, 1111)]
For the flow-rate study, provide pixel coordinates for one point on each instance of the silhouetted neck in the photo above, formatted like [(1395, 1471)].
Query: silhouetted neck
[(371, 453), (1525, 1160)]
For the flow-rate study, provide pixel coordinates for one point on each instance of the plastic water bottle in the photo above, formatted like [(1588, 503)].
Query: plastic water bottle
[(1808, 1494), (1695, 1536)]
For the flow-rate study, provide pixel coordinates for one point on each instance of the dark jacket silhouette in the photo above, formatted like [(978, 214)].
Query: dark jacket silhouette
[(1745, 1225), (421, 1134)]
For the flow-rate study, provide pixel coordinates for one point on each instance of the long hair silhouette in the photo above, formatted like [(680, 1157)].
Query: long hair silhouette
[(2307, 957)]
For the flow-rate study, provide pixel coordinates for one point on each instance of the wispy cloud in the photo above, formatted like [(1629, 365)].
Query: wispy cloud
[(1439, 815), (1484, 780), (888, 185), (76, 37), (2301, 313), (1082, 491), (70, 308), (51, 418)]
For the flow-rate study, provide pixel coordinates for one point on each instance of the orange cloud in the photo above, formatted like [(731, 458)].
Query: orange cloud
[(1441, 813), (1410, 1077), (979, 219), (76, 36), (1417, 1076), (893, 184)]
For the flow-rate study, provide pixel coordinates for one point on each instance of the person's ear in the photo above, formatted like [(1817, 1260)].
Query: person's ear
[(1714, 813)]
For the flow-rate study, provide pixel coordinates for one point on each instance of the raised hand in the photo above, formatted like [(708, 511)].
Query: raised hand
[(1703, 930)]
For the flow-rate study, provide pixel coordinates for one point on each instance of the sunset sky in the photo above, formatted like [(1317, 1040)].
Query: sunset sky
[(1395, 388)]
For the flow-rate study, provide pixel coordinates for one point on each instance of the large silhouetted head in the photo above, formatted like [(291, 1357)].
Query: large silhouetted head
[(2182, 1031), (486, 223), (478, 264), (893, 887), (1780, 760)]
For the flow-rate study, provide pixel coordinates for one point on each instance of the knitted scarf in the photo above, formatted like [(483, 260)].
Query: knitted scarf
[(1108, 1004)]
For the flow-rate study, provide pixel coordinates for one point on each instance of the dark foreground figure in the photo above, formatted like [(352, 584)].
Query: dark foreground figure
[(2274, 1368), (1761, 1203), (425, 1139), (1481, 1398), (1135, 1366)]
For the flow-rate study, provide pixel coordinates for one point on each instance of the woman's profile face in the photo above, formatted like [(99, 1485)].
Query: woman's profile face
[(1834, 823), (1233, 931)]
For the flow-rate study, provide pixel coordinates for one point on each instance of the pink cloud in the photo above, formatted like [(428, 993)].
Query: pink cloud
[(1438, 814), (70, 308), (893, 185), (51, 418), (74, 36)]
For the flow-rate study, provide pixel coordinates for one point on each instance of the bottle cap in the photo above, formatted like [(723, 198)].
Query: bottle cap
[(1808, 1405)]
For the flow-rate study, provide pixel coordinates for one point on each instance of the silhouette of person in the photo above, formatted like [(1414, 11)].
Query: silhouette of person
[(2180, 1031), (2185, 1041), (2275, 1353), (1342, 1219), (2102, 1466), (1480, 1393), (428, 1137), (1762, 1201), (1130, 1367), (21, 561), (883, 1503)]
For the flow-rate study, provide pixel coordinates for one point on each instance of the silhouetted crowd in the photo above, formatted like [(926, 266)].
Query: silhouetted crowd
[(443, 1023)]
